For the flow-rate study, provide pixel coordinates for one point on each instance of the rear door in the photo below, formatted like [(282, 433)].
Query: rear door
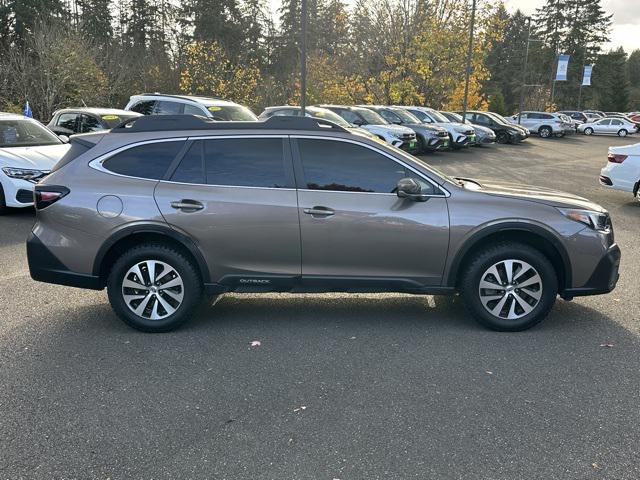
[(603, 126), (355, 231), (235, 196)]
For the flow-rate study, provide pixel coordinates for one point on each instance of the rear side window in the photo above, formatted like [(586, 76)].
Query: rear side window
[(144, 161), (191, 168), (345, 167), (245, 162), (68, 121), (145, 107), (164, 107)]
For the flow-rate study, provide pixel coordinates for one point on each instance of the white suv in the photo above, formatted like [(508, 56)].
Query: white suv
[(461, 135), (220, 110), (545, 124)]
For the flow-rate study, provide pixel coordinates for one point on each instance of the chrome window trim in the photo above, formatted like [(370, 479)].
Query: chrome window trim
[(445, 193), (97, 163)]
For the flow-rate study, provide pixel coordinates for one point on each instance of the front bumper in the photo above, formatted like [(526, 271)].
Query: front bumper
[(17, 193), (44, 266), (603, 279)]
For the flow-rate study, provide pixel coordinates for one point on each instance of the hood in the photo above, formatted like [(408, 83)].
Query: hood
[(39, 158), (484, 130), (543, 195), (432, 129), (399, 129)]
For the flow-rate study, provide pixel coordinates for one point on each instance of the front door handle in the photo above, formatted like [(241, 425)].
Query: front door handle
[(319, 211), (187, 205)]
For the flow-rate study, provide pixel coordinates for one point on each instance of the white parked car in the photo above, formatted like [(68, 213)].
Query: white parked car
[(611, 126), (545, 124), (622, 171), (396, 135), (214, 108), (461, 135), (28, 152)]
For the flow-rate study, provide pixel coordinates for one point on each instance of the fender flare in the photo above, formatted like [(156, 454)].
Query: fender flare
[(175, 235), (453, 268)]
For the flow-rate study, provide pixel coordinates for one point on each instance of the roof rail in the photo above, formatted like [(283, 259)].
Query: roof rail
[(176, 95), (165, 123)]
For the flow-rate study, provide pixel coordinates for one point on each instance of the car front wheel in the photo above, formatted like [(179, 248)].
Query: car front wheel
[(502, 137), (509, 287), (588, 131), (622, 133), (154, 288), (545, 132)]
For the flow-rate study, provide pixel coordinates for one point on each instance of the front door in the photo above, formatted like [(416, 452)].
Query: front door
[(236, 198), (355, 230)]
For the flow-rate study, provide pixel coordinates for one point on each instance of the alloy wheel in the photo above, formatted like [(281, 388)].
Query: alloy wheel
[(152, 289), (510, 289)]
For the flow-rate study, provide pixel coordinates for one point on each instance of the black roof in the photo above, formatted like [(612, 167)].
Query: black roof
[(156, 123)]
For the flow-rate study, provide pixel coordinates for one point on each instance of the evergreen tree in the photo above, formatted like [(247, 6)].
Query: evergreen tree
[(219, 21), (633, 69), (610, 81), (95, 21), (25, 15)]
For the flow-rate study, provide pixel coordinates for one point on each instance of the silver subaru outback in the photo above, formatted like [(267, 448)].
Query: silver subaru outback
[(168, 208)]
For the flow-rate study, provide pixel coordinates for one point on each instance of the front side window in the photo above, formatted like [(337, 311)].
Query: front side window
[(604, 122), (390, 117), (423, 117), (350, 117), (193, 110), (90, 123), (25, 133), (150, 160), (245, 162), (347, 167)]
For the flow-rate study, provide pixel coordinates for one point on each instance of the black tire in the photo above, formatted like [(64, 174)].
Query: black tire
[(3, 204), (588, 131), (483, 261), (502, 138), (545, 132), (622, 132), (191, 288), (422, 146)]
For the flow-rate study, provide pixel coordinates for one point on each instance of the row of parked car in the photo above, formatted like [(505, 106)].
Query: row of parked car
[(416, 129)]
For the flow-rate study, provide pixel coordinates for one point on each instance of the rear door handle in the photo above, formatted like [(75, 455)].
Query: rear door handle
[(319, 211), (187, 205)]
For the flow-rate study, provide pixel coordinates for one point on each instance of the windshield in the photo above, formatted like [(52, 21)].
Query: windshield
[(454, 117), (499, 118), (328, 115), (370, 117), (438, 116), (405, 116), (25, 133), (113, 120), (231, 113)]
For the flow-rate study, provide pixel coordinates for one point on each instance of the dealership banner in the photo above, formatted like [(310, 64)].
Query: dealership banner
[(586, 77), (563, 65)]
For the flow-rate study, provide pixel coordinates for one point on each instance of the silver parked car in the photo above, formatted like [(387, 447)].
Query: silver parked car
[(177, 206), (611, 126)]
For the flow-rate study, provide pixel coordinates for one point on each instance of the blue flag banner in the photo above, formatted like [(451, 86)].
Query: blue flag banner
[(27, 110), (563, 65), (586, 76)]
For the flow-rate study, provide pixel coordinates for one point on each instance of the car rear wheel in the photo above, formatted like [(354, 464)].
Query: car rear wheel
[(622, 132), (545, 132), (588, 131), (509, 287), (154, 288)]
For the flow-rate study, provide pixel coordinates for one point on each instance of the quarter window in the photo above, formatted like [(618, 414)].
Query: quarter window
[(164, 107), (145, 107), (245, 162), (144, 161), (90, 124), (346, 167)]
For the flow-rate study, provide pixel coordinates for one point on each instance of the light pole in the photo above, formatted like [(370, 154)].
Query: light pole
[(524, 69), (303, 58), (465, 102)]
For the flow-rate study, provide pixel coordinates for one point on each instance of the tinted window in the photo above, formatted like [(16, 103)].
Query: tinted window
[(145, 161), (164, 107), (25, 133), (389, 116), (421, 115), (68, 121), (247, 162), (285, 112), (191, 168), (341, 166), (350, 117), (193, 110), (145, 107), (90, 124)]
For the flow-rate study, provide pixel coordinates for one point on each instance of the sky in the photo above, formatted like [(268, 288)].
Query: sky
[(625, 30)]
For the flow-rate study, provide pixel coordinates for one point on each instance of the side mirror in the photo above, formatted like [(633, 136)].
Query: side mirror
[(409, 188), (64, 138)]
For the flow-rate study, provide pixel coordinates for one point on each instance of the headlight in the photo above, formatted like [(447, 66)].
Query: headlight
[(599, 221), (24, 173)]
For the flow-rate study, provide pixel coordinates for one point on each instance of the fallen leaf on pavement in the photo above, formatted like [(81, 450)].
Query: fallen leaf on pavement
[(490, 373), (255, 343), (608, 345), (596, 466), (302, 407)]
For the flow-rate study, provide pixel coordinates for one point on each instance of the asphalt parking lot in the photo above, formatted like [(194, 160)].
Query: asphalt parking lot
[(341, 387)]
